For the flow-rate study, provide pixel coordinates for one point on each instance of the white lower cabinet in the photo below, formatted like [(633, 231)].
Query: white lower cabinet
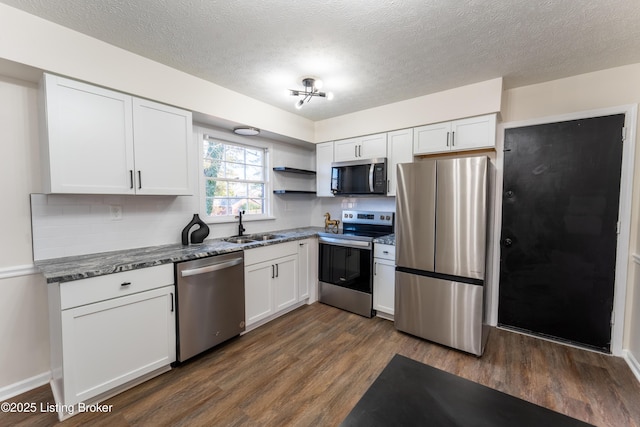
[(108, 331), (270, 280), (384, 279), (279, 278)]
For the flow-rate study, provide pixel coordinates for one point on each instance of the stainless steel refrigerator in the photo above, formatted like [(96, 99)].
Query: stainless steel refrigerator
[(441, 216)]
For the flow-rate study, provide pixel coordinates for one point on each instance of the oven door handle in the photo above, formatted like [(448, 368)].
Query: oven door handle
[(345, 242)]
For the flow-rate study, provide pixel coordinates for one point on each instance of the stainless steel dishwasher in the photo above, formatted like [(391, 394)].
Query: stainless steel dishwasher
[(210, 302)]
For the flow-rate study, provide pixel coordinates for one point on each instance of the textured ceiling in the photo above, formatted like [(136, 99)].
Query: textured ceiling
[(367, 52)]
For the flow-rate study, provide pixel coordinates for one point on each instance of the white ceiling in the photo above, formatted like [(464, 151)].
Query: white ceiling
[(368, 52)]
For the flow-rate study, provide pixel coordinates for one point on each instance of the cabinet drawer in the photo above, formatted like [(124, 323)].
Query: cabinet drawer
[(101, 288), (270, 252), (384, 251)]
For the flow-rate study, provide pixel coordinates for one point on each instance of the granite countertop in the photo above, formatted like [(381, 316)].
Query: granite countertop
[(389, 239), (84, 266)]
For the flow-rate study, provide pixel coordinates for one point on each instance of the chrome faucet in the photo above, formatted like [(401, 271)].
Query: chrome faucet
[(240, 227)]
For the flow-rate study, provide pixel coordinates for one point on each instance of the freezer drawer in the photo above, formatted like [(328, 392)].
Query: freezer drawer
[(443, 311)]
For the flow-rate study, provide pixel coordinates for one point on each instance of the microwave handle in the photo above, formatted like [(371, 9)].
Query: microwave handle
[(335, 183), (371, 168)]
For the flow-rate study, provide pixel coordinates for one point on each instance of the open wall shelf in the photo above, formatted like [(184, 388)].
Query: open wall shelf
[(293, 170)]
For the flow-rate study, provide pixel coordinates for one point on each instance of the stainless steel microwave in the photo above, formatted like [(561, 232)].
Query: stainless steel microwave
[(359, 177)]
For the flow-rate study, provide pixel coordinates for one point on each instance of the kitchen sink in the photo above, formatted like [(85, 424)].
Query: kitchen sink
[(257, 237), (239, 240), (264, 236)]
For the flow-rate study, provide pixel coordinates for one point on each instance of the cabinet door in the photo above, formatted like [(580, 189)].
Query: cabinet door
[(258, 291), (109, 343), (286, 282), (324, 158), (346, 150), (384, 287), (474, 133), (399, 150), (89, 134), (432, 138), (308, 270), (373, 146), (162, 136)]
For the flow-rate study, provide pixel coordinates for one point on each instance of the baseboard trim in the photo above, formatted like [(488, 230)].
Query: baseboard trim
[(12, 390), (633, 363)]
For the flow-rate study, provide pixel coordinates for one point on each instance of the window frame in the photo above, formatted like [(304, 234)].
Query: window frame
[(225, 138)]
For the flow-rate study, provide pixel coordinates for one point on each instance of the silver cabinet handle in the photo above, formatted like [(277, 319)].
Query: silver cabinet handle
[(139, 180), (355, 151), (448, 138), (277, 272), (453, 138), (210, 268), (375, 268), (125, 284), (131, 179), (273, 271), (385, 252), (172, 302)]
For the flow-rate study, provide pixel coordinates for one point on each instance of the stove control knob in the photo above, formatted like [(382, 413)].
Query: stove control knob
[(346, 215), (381, 217), (350, 215)]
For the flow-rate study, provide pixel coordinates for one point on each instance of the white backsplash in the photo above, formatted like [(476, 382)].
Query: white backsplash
[(65, 225)]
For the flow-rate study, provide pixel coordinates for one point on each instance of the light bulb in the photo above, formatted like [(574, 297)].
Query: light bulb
[(318, 84), (299, 104), (329, 96)]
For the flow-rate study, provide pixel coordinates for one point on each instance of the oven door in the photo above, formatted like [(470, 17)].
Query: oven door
[(346, 263)]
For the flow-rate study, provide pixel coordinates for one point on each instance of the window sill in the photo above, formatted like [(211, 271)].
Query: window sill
[(228, 220)]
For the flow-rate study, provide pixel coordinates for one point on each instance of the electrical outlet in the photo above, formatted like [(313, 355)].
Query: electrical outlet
[(115, 212)]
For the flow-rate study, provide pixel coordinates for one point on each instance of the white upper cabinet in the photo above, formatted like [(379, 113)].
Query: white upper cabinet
[(161, 137), (399, 150), (459, 135), (324, 157), (99, 141), (360, 148), (89, 135)]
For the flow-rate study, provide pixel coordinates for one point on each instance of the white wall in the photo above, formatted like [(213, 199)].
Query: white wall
[(465, 101), (24, 330)]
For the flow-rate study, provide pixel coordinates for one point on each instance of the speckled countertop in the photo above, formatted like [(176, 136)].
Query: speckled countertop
[(85, 266), (389, 239)]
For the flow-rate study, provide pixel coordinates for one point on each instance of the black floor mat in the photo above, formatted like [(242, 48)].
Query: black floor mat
[(409, 393)]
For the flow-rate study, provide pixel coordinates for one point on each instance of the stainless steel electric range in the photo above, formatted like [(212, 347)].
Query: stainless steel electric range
[(345, 270)]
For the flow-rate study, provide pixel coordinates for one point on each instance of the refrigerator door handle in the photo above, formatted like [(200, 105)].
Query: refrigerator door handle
[(371, 177)]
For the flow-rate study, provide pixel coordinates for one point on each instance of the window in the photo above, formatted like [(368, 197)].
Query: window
[(234, 179)]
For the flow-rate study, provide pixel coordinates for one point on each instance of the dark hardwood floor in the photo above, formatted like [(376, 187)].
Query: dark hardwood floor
[(311, 366)]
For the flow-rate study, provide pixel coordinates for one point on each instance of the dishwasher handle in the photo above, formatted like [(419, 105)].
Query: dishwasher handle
[(212, 267)]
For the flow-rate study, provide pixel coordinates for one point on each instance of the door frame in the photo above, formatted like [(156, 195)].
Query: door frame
[(624, 237)]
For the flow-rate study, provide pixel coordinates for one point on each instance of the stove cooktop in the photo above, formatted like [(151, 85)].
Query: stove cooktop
[(363, 225)]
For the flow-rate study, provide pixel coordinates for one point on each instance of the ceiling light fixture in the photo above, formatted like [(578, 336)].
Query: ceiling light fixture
[(246, 131), (311, 88)]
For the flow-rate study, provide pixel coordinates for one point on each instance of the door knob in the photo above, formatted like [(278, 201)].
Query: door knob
[(508, 242)]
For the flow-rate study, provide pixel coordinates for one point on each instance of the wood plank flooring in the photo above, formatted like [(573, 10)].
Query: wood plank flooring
[(311, 366)]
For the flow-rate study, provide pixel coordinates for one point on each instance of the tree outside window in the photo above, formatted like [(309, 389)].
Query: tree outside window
[(234, 179)]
